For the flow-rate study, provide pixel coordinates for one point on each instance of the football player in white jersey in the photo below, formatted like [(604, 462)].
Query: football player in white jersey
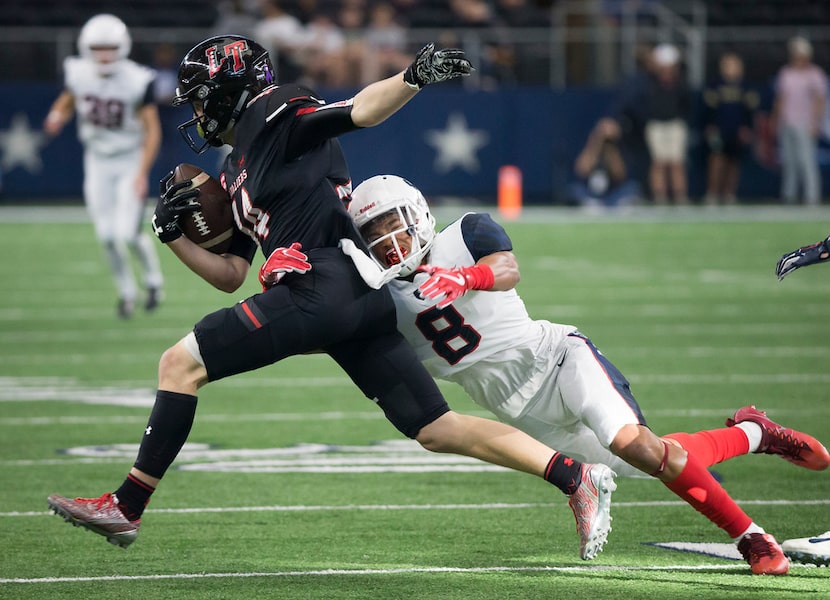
[(118, 125), (457, 305)]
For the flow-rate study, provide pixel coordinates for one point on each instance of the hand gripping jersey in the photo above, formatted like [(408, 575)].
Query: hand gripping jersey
[(107, 107), (485, 341)]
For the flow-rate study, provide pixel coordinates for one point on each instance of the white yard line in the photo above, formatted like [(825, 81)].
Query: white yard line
[(380, 572), (394, 507)]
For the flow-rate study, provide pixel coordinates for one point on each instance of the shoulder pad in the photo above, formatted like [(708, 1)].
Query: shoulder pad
[(286, 94)]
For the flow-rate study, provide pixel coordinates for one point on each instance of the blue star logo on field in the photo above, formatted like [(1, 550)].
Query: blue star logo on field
[(457, 145), (20, 145)]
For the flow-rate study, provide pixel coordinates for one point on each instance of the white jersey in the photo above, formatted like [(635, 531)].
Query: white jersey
[(484, 341), (107, 107), (543, 378)]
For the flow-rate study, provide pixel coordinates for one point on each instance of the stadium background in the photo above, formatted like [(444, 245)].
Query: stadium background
[(537, 116)]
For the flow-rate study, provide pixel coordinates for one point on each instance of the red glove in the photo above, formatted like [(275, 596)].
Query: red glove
[(282, 261), (446, 285)]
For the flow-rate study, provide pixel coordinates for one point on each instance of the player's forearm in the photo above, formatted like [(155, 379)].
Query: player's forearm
[(152, 139), (505, 269), (225, 272), (378, 101), (59, 113)]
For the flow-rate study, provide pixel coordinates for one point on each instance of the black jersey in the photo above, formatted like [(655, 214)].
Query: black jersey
[(287, 175)]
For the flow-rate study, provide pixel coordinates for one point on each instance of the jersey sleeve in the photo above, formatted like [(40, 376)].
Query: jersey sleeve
[(242, 245), (149, 93), (315, 124), (310, 120), (483, 236), (71, 72)]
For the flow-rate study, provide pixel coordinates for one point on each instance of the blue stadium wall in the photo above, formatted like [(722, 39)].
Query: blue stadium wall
[(448, 142)]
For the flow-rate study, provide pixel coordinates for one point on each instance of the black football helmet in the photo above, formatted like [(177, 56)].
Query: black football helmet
[(220, 74)]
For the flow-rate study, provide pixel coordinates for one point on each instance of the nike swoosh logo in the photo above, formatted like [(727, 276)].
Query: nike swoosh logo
[(818, 540), (456, 278)]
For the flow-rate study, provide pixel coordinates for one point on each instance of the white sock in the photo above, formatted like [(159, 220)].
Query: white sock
[(753, 528), (753, 434)]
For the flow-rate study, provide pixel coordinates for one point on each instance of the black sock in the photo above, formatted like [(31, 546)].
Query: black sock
[(168, 428), (564, 472), (133, 496)]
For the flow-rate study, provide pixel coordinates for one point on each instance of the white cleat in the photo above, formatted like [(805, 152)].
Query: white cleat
[(591, 503), (812, 550)]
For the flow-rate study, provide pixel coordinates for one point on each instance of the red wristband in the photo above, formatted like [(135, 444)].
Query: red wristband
[(479, 277)]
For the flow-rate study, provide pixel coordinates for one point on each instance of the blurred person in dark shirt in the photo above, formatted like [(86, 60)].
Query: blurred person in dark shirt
[(601, 179), (729, 109)]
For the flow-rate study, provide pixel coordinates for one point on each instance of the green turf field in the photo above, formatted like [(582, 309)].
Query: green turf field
[(293, 486)]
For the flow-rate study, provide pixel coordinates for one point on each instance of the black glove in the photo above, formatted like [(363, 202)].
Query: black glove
[(432, 66), (172, 204), (808, 255)]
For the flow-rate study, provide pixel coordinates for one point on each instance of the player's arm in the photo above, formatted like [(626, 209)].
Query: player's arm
[(225, 272), (803, 257), (496, 267), (60, 113), (376, 102), (505, 270), (380, 100), (151, 124)]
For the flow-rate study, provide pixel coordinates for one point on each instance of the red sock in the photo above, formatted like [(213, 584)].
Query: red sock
[(714, 446), (697, 487)]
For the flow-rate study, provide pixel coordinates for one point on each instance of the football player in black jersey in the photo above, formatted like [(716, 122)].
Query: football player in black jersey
[(288, 181)]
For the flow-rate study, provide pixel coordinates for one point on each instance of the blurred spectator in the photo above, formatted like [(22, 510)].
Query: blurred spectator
[(602, 179), (498, 60), (630, 111), (522, 13), (284, 37), (423, 13), (323, 51), (530, 59), (729, 109), (166, 60), (236, 17), (351, 18), (386, 52), (307, 10), (800, 92), (666, 127)]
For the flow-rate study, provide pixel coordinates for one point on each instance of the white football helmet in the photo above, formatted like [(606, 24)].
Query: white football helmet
[(383, 194), (104, 34)]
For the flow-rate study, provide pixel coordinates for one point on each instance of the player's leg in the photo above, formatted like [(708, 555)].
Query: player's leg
[(386, 368), (100, 197), (596, 390), (223, 343), (131, 228), (117, 515)]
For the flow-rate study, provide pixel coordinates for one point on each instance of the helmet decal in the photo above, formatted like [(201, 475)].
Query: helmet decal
[(233, 50)]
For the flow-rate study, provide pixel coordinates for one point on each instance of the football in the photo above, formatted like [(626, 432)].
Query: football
[(212, 226)]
